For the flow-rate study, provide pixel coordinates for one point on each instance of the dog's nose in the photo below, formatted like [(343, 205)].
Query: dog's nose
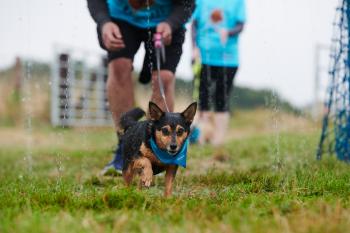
[(173, 146)]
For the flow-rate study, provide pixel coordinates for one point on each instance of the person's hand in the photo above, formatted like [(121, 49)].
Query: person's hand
[(165, 30), (224, 33), (111, 36)]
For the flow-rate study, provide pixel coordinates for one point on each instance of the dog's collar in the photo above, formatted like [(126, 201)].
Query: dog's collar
[(166, 158)]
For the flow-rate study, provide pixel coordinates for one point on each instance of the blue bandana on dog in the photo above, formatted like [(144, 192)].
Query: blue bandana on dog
[(166, 158)]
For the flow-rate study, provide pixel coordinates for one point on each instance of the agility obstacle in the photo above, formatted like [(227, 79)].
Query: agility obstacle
[(78, 92), (335, 136)]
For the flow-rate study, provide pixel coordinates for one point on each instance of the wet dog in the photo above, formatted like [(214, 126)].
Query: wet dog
[(145, 143)]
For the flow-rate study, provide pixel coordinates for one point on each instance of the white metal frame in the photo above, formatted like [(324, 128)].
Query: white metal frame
[(91, 94)]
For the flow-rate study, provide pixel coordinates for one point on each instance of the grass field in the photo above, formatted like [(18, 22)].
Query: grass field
[(264, 179)]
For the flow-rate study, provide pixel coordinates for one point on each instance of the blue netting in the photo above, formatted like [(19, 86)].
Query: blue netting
[(335, 137)]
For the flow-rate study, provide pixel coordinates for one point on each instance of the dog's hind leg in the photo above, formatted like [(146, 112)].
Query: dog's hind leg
[(169, 179), (128, 174), (144, 168)]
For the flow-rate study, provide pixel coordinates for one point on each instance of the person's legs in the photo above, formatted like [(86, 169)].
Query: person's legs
[(205, 120), (167, 70), (224, 81), (168, 80), (120, 88), (221, 121), (120, 92), (224, 78), (204, 88)]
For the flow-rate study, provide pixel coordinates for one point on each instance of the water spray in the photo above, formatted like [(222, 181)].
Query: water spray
[(160, 57)]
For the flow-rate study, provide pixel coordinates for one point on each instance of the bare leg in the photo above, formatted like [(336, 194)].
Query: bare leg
[(221, 122), (168, 79), (120, 89), (169, 180), (206, 125), (144, 167)]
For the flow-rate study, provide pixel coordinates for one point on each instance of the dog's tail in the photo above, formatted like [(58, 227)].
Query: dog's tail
[(130, 118)]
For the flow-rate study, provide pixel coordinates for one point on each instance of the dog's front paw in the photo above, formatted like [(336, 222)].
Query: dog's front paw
[(146, 182), (146, 177)]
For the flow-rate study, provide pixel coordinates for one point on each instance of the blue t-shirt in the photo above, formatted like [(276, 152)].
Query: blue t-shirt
[(211, 16), (140, 16)]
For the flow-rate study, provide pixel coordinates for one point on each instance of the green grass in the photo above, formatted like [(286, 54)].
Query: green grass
[(266, 182)]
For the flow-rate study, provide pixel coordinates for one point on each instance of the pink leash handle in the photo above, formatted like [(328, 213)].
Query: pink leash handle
[(159, 45)]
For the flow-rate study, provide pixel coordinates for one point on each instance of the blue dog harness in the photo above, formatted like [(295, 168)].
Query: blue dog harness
[(166, 158)]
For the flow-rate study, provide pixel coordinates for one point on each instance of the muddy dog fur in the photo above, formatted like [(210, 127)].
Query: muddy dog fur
[(169, 130)]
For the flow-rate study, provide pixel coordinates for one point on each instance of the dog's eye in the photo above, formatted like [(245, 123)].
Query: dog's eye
[(180, 132), (165, 131)]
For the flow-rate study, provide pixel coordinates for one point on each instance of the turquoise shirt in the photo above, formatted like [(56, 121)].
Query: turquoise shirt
[(211, 16), (145, 17)]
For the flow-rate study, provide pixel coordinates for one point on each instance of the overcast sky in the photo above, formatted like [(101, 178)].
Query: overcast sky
[(277, 46)]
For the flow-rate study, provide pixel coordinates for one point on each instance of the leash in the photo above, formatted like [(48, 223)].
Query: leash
[(160, 57)]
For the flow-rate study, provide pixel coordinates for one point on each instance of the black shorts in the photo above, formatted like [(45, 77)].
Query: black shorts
[(133, 36), (218, 95)]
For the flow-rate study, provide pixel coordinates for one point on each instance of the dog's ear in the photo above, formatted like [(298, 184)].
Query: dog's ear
[(154, 111), (189, 113)]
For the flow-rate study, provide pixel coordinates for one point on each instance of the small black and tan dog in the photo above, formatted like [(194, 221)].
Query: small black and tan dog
[(169, 131)]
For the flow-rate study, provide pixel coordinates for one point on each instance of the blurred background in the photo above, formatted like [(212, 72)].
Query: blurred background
[(284, 56), (56, 132)]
